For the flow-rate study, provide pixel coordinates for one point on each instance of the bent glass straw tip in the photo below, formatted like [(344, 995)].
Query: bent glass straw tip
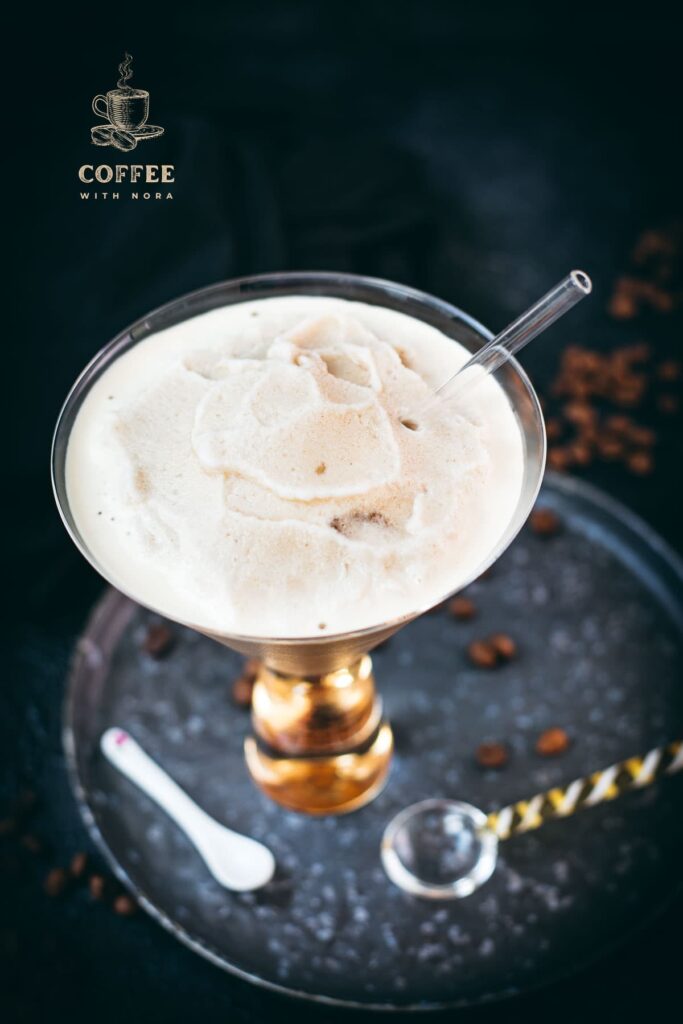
[(582, 281)]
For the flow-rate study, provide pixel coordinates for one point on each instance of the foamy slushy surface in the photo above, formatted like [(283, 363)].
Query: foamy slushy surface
[(248, 471)]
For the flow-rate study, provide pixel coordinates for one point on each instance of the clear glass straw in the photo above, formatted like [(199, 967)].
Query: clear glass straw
[(554, 304)]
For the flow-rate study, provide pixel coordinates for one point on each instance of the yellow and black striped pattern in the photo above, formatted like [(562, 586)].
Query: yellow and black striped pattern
[(633, 773)]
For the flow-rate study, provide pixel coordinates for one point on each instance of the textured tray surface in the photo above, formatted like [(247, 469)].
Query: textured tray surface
[(598, 617)]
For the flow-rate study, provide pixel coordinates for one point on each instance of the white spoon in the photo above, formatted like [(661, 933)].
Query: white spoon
[(237, 862)]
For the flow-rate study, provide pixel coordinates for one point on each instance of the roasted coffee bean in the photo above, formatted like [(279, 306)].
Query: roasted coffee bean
[(8, 827), (79, 863), (619, 424), (97, 885), (108, 135), (124, 905), (611, 448), (504, 646), (492, 755), (660, 300), (640, 463), (588, 436), (553, 429), (462, 608), (669, 370), (627, 397), (252, 667), (242, 690), (158, 640), (545, 522), (482, 654), (55, 882), (624, 304), (643, 437), (559, 459), (653, 244), (637, 353), (579, 413), (552, 742), (580, 453)]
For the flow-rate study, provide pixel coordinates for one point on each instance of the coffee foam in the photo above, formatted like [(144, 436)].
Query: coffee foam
[(251, 471)]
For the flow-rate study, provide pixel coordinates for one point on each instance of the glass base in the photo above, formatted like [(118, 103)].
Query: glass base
[(322, 785), (320, 744)]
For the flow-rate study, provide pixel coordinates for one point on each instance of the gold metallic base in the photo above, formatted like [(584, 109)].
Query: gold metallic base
[(320, 746), (323, 785)]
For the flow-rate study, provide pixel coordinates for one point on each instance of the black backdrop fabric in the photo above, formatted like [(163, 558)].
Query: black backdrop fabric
[(475, 152)]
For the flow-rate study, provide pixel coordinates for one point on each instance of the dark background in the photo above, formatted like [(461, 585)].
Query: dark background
[(475, 152)]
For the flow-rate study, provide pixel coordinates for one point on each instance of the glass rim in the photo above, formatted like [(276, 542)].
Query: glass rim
[(127, 338)]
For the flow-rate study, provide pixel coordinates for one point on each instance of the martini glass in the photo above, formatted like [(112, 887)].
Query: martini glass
[(319, 742)]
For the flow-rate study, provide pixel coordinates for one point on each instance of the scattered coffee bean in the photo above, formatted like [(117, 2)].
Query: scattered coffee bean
[(462, 608), (644, 437), (558, 459), (654, 244), (622, 304), (79, 863), (492, 755), (97, 886), (552, 742), (482, 654), (669, 370), (158, 640), (632, 294), (124, 905), (611, 448), (242, 690), (545, 522), (580, 454), (619, 424), (55, 882), (553, 429), (504, 646), (580, 413), (640, 463), (637, 353), (8, 827), (252, 667)]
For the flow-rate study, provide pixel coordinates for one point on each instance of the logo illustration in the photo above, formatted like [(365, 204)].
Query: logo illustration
[(125, 110)]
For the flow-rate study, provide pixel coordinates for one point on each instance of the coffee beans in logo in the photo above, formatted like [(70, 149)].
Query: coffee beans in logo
[(108, 135)]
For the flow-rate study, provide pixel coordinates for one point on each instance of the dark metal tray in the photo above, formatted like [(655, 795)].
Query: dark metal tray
[(598, 615)]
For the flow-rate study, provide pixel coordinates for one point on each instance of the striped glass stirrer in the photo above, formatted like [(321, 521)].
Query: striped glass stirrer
[(445, 849)]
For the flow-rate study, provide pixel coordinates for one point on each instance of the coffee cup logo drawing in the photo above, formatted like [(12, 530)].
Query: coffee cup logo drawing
[(126, 111)]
